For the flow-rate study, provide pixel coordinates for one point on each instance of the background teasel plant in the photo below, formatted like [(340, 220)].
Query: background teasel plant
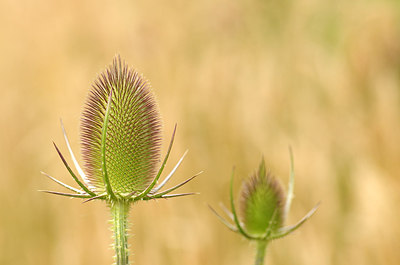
[(263, 209), (121, 139)]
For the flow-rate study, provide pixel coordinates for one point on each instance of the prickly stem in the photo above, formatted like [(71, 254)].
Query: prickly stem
[(119, 210)]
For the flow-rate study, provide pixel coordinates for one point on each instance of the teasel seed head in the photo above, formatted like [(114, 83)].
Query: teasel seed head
[(262, 203), (133, 132), (121, 141), (264, 207)]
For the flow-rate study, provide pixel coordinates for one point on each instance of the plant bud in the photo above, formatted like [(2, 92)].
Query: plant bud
[(262, 203)]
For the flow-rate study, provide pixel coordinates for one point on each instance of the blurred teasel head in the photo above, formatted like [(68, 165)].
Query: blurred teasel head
[(262, 203), (121, 141), (264, 207)]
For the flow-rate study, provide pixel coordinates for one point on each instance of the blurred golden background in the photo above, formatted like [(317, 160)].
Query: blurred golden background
[(242, 79)]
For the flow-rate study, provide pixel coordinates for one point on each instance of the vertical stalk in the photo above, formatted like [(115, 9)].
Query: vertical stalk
[(119, 210), (260, 255)]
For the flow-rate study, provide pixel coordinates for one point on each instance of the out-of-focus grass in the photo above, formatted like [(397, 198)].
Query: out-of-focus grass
[(241, 79)]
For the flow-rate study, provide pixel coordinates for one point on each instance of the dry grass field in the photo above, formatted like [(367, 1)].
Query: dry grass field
[(241, 79)]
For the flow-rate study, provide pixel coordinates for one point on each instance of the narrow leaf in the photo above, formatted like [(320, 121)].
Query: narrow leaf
[(78, 168), (226, 223), (63, 184), (290, 192), (175, 187), (226, 211), (103, 196), (103, 148), (170, 174), (235, 217), (72, 173), (178, 195), (66, 194), (289, 229)]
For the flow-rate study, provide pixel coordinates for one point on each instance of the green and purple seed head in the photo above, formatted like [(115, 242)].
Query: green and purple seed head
[(121, 141), (133, 136), (262, 203)]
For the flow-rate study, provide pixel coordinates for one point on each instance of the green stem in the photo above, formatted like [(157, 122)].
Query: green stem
[(261, 248), (119, 210)]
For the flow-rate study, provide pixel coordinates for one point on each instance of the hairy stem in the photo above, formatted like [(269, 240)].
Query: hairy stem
[(119, 210), (261, 248)]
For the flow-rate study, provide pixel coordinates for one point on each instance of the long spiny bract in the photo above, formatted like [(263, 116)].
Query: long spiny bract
[(132, 147)]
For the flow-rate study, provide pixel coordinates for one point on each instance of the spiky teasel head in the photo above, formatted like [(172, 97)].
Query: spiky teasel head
[(121, 140), (263, 207), (121, 132), (262, 203)]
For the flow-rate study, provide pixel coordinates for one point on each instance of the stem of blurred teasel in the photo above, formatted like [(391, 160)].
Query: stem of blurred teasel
[(261, 249)]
